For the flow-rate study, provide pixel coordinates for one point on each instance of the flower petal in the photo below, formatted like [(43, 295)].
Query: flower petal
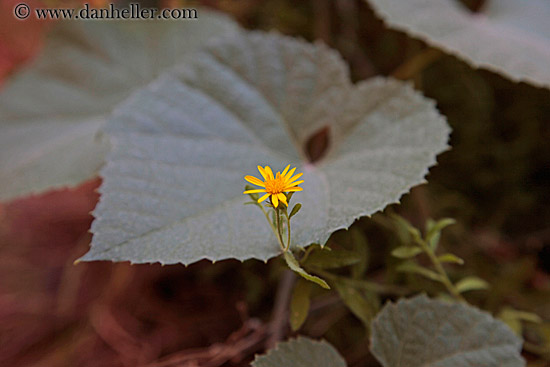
[(254, 191), (263, 198), (285, 170), (294, 184), (289, 174), (282, 197), (275, 200), (262, 172), (253, 180), (294, 178), (293, 189), (269, 172)]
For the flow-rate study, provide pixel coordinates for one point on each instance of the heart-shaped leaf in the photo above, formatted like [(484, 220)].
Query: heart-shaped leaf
[(51, 113), (421, 332), (509, 37), (173, 184), (301, 352)]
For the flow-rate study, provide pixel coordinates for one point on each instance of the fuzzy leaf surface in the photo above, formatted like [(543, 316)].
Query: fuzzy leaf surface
[(172, 189), (301, 352), (509, 37), (51, 113), (420, 332)]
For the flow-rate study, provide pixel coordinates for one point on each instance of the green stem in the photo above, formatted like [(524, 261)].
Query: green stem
[(306, 255), (279, 236), (439, 268), (288, 230), (278, 230), (268, 220)]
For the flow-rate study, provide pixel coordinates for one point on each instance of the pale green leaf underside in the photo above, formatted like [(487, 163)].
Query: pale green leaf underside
[(173, 184), (509, 37), (420, 332), (51, 113), (301, 352)]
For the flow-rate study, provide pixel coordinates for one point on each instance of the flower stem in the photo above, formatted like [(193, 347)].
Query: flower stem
[(279, 227), (439, 268), (288, 230), (268, 220)]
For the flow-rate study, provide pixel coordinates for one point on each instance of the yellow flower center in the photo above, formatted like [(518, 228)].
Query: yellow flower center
[(275, 186)]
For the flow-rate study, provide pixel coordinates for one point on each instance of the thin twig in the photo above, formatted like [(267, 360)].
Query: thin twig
[(416, 64), (279, 320), (442, 273)]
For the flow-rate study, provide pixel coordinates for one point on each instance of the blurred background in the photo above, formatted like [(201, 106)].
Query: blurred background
[(495, 181)]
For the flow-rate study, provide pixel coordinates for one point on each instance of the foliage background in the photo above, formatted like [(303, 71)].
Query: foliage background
[(495, 181)]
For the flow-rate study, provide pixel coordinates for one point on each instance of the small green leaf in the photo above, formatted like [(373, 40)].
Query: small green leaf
[(301, 352), (513, 318), (441, 224), (406, 252), (434, 232), (450, 258), (332, 259), (357, 303), (254, 197), (522, 315), (295, 266), (405, 226), (433, 241), (430, 223), (470, 284), (251, 203), (299, 304), (417, 269), (445, 297), (295, 210)]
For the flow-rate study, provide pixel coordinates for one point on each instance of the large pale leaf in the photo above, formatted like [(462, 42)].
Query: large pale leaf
[(301, 352), (421, 332), (173, 184), (509, 37), (51, 112)]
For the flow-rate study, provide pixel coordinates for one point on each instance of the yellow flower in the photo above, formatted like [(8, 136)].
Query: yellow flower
[(275, 185)]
